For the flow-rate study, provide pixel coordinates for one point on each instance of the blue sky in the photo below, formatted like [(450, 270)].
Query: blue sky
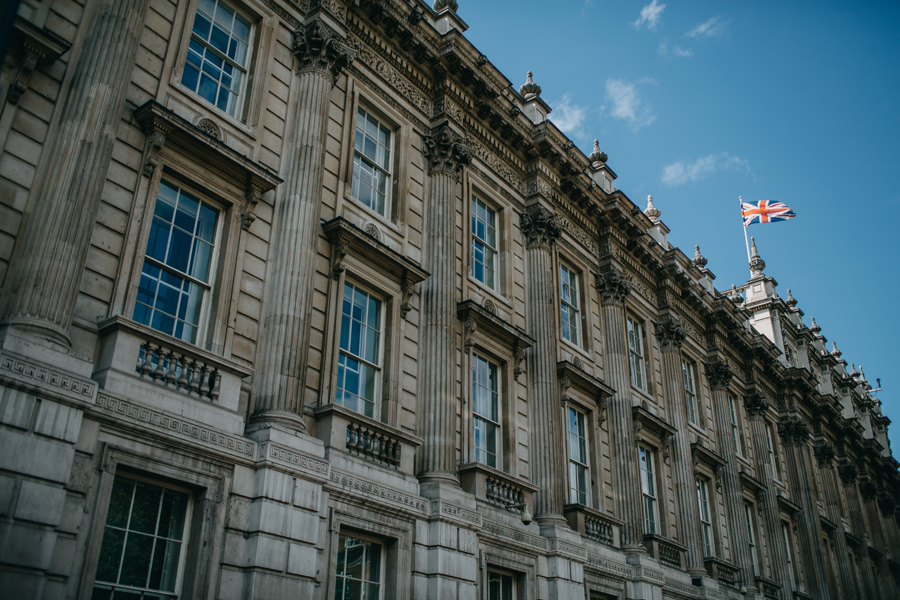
[(700, 102)]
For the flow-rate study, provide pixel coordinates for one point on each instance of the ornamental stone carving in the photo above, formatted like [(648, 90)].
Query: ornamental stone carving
[(719, 374), (445, 150), (613, 287), (540, 226), (847, 473), (824, 454), (670, 333), (793, 432), (886, 504), (868, 490), (320, 49), (756, 405)]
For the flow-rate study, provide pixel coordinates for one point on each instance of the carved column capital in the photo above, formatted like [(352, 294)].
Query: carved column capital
[(756, 405), (540, 226), (670, 333), (793, 432), (719, 373), (847, 473), (824, 454), (613, 287), (319, 48), (868, 490), (446, 150)]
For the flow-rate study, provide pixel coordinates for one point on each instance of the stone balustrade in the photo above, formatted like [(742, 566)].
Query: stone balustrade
[(667, 552), (499, 488), (770, 590), (723, 572), (176, 368), (593, 524), (365, 438)]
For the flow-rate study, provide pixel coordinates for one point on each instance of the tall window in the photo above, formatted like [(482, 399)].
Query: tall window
[(690, 392), (705, 516), (736, 433), (501, 586), (773, 452), (486, 409), (218, 53), (579, 464), (636, 353), (789, 555), (143, 540), (648, 489), (175, 279), (372, 163), (570, 312), (359, 364), (484, 243), (359, 569), (751, 538)]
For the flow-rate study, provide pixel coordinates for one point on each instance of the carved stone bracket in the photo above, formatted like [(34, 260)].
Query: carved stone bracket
[(319, 48), (251, 199), (886, 504), (540, 226), (470, 328), (824, 454), (613, 287), (155, 142), (445, 150), (407, 290), (518, 360), (670, 333), (719, 374), (868, 490), (572, 376), (793, 432), (756, 405), (35, 47), (848, 473)]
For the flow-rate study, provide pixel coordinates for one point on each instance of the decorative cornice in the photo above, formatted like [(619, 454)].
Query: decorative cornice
[(670, 333), (319, 49), (613, 287), (540, 226), (445, 150), (793, 432), (719, 374), (756, 405)]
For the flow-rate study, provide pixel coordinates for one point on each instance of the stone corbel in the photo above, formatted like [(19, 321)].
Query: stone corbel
[(407, 290), (518, 360), (251, 199), (469, 330), (36, 47), (155, 142), (20, 83), (638, 425), (340, 246), (667, 440)]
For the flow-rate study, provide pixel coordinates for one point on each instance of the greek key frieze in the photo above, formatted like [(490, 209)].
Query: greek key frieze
[(363, 487), (610, 568), (514, 534), (456, 512), (36, 373), (302, 461)]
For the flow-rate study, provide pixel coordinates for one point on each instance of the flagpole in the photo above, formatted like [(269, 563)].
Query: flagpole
[(746, 241)]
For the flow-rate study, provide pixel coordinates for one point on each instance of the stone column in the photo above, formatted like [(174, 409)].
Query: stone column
[(848, 475), (719, 374), (670, 333), (541, 230), (824, 454), (445, 155), (755, 405), (45, 271), (794, 435), (284, 341), (613, 289)]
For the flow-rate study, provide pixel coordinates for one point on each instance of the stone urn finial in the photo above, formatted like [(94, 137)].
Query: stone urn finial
[(834, 350), (813, 327), (597, 157), (699, 260), (651, 211), (791, 301), (530, 89), (440, 5), (757, 264)]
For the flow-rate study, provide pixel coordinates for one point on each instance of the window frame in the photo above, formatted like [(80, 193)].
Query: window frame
[(774, 458), (737, 430), (649, 479), (691, 393), (751, 538), (387, 172), (787, 540), (584, 436), (504, 575), (378, 367), (578, 295), (706, 524), (490, 209), (635, 330), (497, 398), (367, 540)]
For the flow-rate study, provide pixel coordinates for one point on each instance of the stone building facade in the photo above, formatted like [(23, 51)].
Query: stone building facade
[(304, 299)]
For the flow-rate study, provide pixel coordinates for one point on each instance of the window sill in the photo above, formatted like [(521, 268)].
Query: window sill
[(488, 291), (496, 487), (350, 432), (576, 348), (202, 107), (593, 524)]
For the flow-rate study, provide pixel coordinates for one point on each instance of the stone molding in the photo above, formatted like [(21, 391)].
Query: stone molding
[(670, 333), (612, 569), (508, 533), (445, 150), (470, 518), (320, 49), (365, 489), (314, 467), (719, 374), (540, 226), (613, 287), (18, 370)]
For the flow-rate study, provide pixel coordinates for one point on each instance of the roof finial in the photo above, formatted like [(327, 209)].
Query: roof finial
[(853, 372), (813, 327), (734, 295), (834, 350), (651, 211), (530, 89), (757, 264), (699, 260), (597, 157), (791, 301), (440, 5)]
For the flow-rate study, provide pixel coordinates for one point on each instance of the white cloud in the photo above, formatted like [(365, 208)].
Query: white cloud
[(679, 172), (650, 16), (568, 117), (710, 28), (627, 103), (676, 51)]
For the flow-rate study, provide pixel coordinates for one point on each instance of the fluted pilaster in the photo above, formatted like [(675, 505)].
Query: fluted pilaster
[(614, 288), (541, 230), (446, 154), (848, 475), (755, 405), (670, 333), (284, 343), (45, 271), (719, 374), (824, 454), (794, 435)]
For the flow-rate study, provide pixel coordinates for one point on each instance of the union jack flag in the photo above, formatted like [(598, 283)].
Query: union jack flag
[(765, 211)]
